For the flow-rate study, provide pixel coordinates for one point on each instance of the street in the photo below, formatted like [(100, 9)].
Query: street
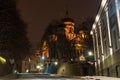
[(40, 76)]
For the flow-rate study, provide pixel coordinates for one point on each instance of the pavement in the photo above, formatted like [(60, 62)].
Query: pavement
[(40, 76)]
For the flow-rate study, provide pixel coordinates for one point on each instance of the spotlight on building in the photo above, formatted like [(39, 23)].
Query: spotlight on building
[(2, 60)]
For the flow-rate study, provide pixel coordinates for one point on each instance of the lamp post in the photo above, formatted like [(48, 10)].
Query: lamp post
[(38, 67), (90, 57), (56, 63), (91, 62), (28, 66)]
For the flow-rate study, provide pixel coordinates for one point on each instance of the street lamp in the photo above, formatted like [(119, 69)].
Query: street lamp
[(38, 67), (56, 63), (29, 64), (90, 56), (43, 57), (27, 70), (90, 53)]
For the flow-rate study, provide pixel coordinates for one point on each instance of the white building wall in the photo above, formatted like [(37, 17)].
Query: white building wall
[(109, 38)]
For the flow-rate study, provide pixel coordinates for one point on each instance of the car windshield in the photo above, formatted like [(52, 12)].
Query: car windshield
[(59, 39)]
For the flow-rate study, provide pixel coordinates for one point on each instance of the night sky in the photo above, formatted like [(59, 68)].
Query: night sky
[(39, 13)]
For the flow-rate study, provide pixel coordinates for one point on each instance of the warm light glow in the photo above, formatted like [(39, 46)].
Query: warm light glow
[(27, 70), (69, 30), (29, 59), (103, 3), (82, 34), (69, 23), (45, 50), (41, 68), (53, 37), (2, 60), (44, 43), (98, 61), (94, 26), (70, 36), (103, 57), (82, 58), (111, 51), (78, 46), (38, 66), (91, 32), (45, 53), (97, 18), (96, 64)]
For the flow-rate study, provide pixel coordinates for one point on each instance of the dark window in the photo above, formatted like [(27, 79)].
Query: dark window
[(117, 71), (115, 39), (111, 8), (108, 71)]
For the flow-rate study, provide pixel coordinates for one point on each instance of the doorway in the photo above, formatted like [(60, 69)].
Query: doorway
[(118, 71)]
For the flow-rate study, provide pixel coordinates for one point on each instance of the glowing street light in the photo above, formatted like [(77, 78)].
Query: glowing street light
[(38, 66), (56, 63), (90, 53), (43, 58), (27, 70)]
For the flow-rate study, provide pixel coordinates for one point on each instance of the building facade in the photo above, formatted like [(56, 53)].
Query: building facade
[(106, 38)]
